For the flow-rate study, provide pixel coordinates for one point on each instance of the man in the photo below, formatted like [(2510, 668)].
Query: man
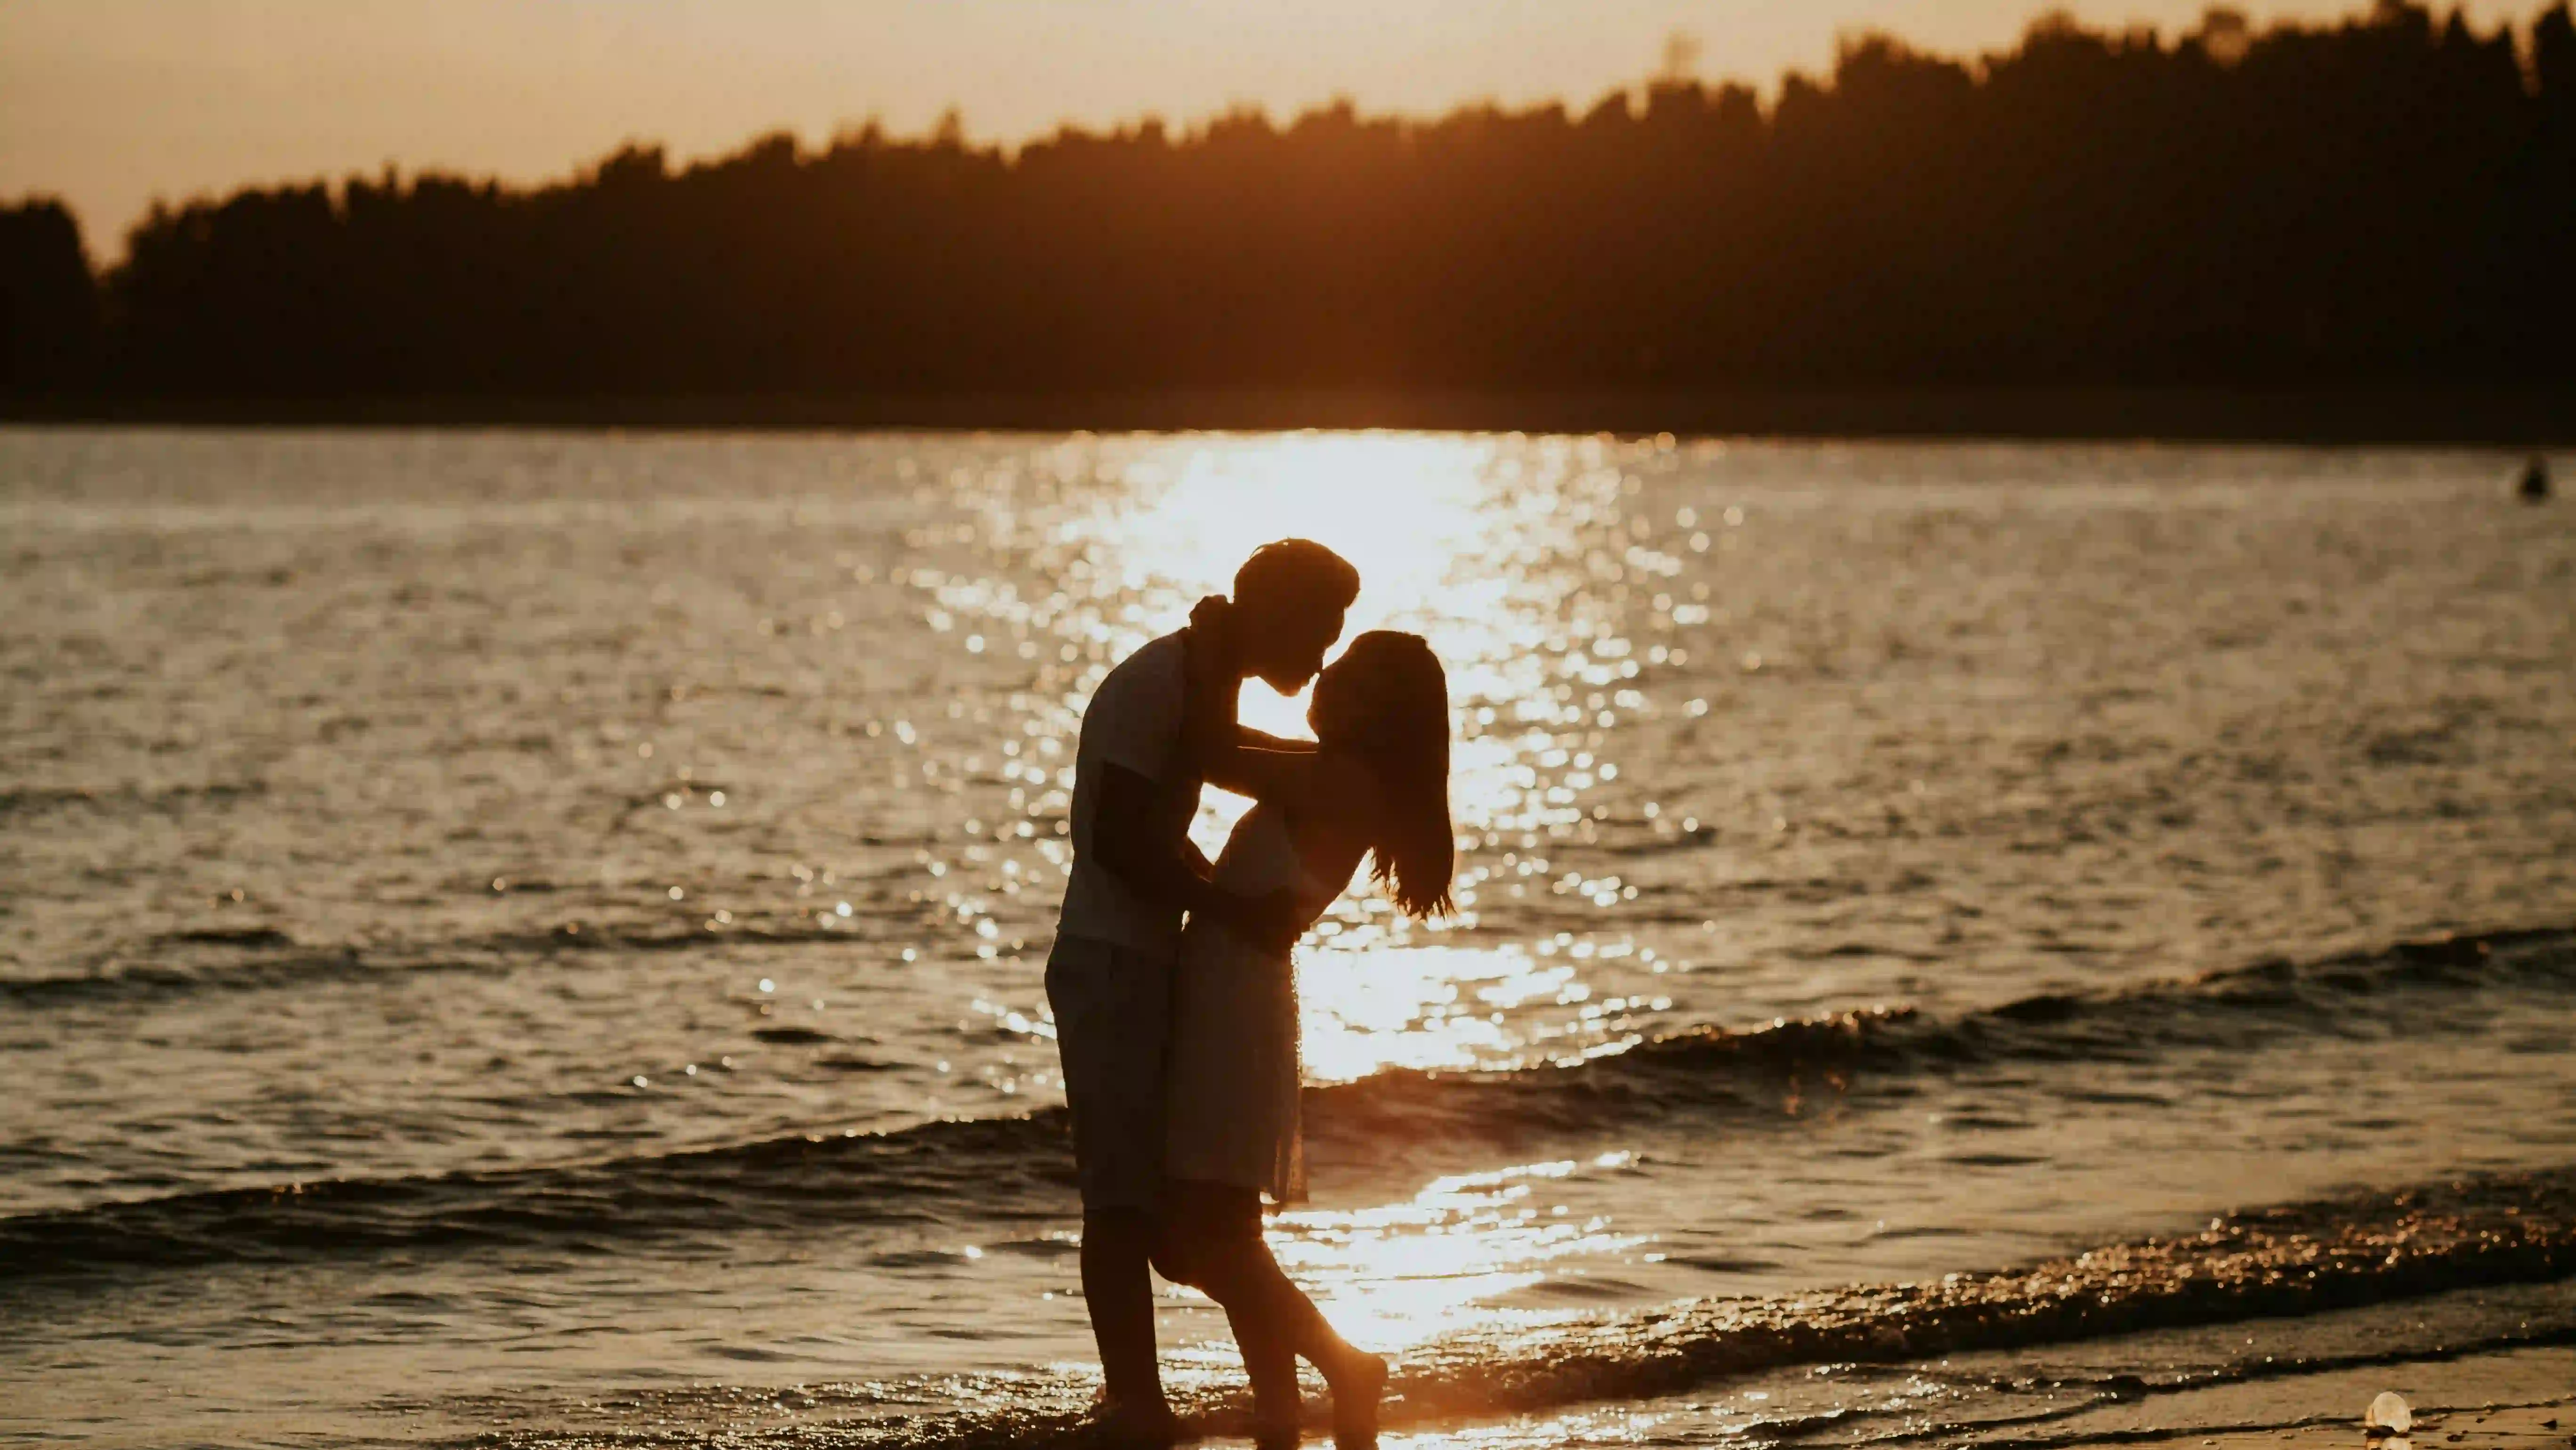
[(1135, 875)]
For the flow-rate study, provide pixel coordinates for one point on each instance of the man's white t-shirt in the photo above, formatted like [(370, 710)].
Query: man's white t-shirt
[(1134, 722)]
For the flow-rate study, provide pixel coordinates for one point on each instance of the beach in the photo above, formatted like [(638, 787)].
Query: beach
[(2541, 1424)]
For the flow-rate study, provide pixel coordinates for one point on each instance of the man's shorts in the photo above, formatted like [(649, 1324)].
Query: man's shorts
[(1113, 1012)]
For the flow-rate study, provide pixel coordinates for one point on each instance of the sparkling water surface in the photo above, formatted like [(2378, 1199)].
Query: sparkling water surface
[(387, 806)]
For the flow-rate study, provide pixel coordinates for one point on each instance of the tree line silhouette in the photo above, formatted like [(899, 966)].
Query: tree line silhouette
[(2388, 197)]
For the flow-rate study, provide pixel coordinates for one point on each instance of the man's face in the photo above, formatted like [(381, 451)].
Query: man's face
[(1291, 650)]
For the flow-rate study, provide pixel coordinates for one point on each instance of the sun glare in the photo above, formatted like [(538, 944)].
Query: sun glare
[(1400, 1274), (1408, 512), (1507, 554), (1488, 547)]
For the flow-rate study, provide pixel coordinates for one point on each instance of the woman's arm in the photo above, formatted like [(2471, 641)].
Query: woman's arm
[(1251, 739), (1288, 777), (1131, 836), (1227, 755)]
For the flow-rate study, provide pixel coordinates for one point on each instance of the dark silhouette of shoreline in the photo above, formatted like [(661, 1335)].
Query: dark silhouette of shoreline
[(2355, 230), (2540, 414)]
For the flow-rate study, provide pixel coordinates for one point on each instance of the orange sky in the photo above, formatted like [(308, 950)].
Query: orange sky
[(110, 103)]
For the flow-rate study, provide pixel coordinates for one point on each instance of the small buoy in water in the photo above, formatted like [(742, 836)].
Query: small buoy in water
[(2534, 487), (2389, 1415)]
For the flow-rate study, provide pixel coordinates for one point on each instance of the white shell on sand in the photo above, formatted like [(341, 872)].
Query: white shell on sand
[(2389, 1412)]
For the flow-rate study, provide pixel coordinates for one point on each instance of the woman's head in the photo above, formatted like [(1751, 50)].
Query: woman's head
[(1387, 700)]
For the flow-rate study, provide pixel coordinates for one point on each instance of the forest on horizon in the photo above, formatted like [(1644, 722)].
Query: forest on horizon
[(2388, 197)]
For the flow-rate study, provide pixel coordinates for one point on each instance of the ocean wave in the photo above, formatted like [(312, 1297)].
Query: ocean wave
[(37, 800), (2401, 988), (2314, 1257), (258, 958), (848, 1179), (1023, 1164), (2295, 1259)]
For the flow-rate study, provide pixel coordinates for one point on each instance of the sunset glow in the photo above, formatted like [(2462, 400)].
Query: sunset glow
[(1418, 724), (1486, 547), (112, 103)]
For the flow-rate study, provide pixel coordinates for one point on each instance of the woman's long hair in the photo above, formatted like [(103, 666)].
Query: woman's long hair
[(1406, 744)]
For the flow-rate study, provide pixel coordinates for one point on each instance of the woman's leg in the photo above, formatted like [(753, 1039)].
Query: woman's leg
[(1200, 1228), (1233, 1265), (1244, 1269), (1270, 1362)]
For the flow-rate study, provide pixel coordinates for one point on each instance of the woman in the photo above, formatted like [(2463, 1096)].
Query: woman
[(1377, 785)]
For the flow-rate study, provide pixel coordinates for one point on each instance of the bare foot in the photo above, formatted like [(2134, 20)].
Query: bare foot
[(1279, 1423), (1357, 1386), (1141, 1427)]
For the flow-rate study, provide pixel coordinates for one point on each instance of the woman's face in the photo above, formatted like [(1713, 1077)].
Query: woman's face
[(1336, 709)]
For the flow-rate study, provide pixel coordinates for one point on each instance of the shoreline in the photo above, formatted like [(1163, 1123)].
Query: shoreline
[(2481, 1402), (2517, 416), (2543, 1426)]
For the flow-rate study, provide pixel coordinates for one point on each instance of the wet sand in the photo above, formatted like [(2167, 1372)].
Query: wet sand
[(2482, 1424), (2502, 1427)]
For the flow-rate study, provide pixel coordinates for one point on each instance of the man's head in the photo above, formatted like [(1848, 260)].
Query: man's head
[(1289, 599)]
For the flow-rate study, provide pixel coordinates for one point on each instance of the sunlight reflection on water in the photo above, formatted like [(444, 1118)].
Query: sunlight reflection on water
[(1400, 1274), (1393, 1275), (1494, 550), (575, 804), (1578, 1427), (1481, 545)]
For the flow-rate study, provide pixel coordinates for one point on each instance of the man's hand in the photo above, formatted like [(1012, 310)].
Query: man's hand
[(1210, 650), (1271, 923)]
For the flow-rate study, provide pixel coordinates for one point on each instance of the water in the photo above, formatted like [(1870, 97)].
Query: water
[(542, 934)]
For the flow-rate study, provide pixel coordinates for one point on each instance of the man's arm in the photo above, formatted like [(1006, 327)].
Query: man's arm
[(1215, 743), (1248, 738), (1238, 758), (1263, 775), (1129, 838), (1126, 834)]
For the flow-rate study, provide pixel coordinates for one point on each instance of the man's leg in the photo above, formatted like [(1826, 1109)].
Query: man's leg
[(1118, 1291), (1110, 1008)]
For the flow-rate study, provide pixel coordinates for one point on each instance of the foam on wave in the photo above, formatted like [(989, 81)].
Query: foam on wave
[(2297, 1259), (1021, 1165)]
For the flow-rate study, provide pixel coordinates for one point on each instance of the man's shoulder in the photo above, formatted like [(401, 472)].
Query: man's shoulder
[(1156, 665), (1161, 653), (1138, 703)]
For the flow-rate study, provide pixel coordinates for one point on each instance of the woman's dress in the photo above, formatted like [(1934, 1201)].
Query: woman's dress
[(1233, 1072)]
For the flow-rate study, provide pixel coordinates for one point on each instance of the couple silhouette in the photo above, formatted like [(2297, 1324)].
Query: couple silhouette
[(1171, 980)]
